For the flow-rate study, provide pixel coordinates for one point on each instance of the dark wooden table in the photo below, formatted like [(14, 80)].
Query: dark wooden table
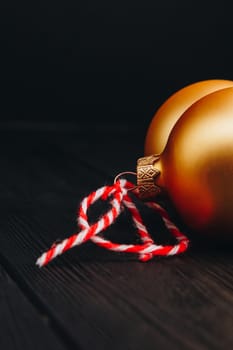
[(90, 298)]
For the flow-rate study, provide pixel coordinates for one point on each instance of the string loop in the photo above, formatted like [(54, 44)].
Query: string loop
[(119, 200)]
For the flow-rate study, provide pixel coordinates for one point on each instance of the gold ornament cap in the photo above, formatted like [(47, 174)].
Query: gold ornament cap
[(146, 175)]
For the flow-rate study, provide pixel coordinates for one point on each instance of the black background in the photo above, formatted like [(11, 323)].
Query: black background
[(107, 61)]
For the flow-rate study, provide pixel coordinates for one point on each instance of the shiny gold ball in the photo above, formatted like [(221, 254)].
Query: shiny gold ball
[(171, 110), (196, 166)]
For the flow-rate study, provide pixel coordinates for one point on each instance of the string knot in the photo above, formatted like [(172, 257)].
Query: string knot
[(119, 200)]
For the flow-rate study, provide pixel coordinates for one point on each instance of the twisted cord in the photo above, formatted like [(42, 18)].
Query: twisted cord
[(119, 201)]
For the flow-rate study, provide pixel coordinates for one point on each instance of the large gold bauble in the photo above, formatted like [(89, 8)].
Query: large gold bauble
[(196, 167), (171, 110)]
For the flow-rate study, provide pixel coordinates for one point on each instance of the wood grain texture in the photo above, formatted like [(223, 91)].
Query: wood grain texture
[(99, 299), (22, 327)]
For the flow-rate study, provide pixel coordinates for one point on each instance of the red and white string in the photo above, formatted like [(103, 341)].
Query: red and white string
[(119, 200)]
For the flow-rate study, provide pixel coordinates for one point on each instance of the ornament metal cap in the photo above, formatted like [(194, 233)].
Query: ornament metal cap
[(146, 175)]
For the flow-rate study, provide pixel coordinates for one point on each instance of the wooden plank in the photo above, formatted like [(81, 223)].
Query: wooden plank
[(97, 298), (22, 327)]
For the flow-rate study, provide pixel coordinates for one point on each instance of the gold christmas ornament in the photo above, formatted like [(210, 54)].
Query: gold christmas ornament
[(171, 110), (195, 169)]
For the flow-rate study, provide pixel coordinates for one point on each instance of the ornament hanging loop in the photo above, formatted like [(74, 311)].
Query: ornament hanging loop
[(123, 173)]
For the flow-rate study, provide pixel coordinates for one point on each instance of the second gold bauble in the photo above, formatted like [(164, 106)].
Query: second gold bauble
[(172, 109)]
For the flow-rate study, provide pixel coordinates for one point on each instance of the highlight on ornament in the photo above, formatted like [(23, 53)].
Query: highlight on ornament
[(188, 159)]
